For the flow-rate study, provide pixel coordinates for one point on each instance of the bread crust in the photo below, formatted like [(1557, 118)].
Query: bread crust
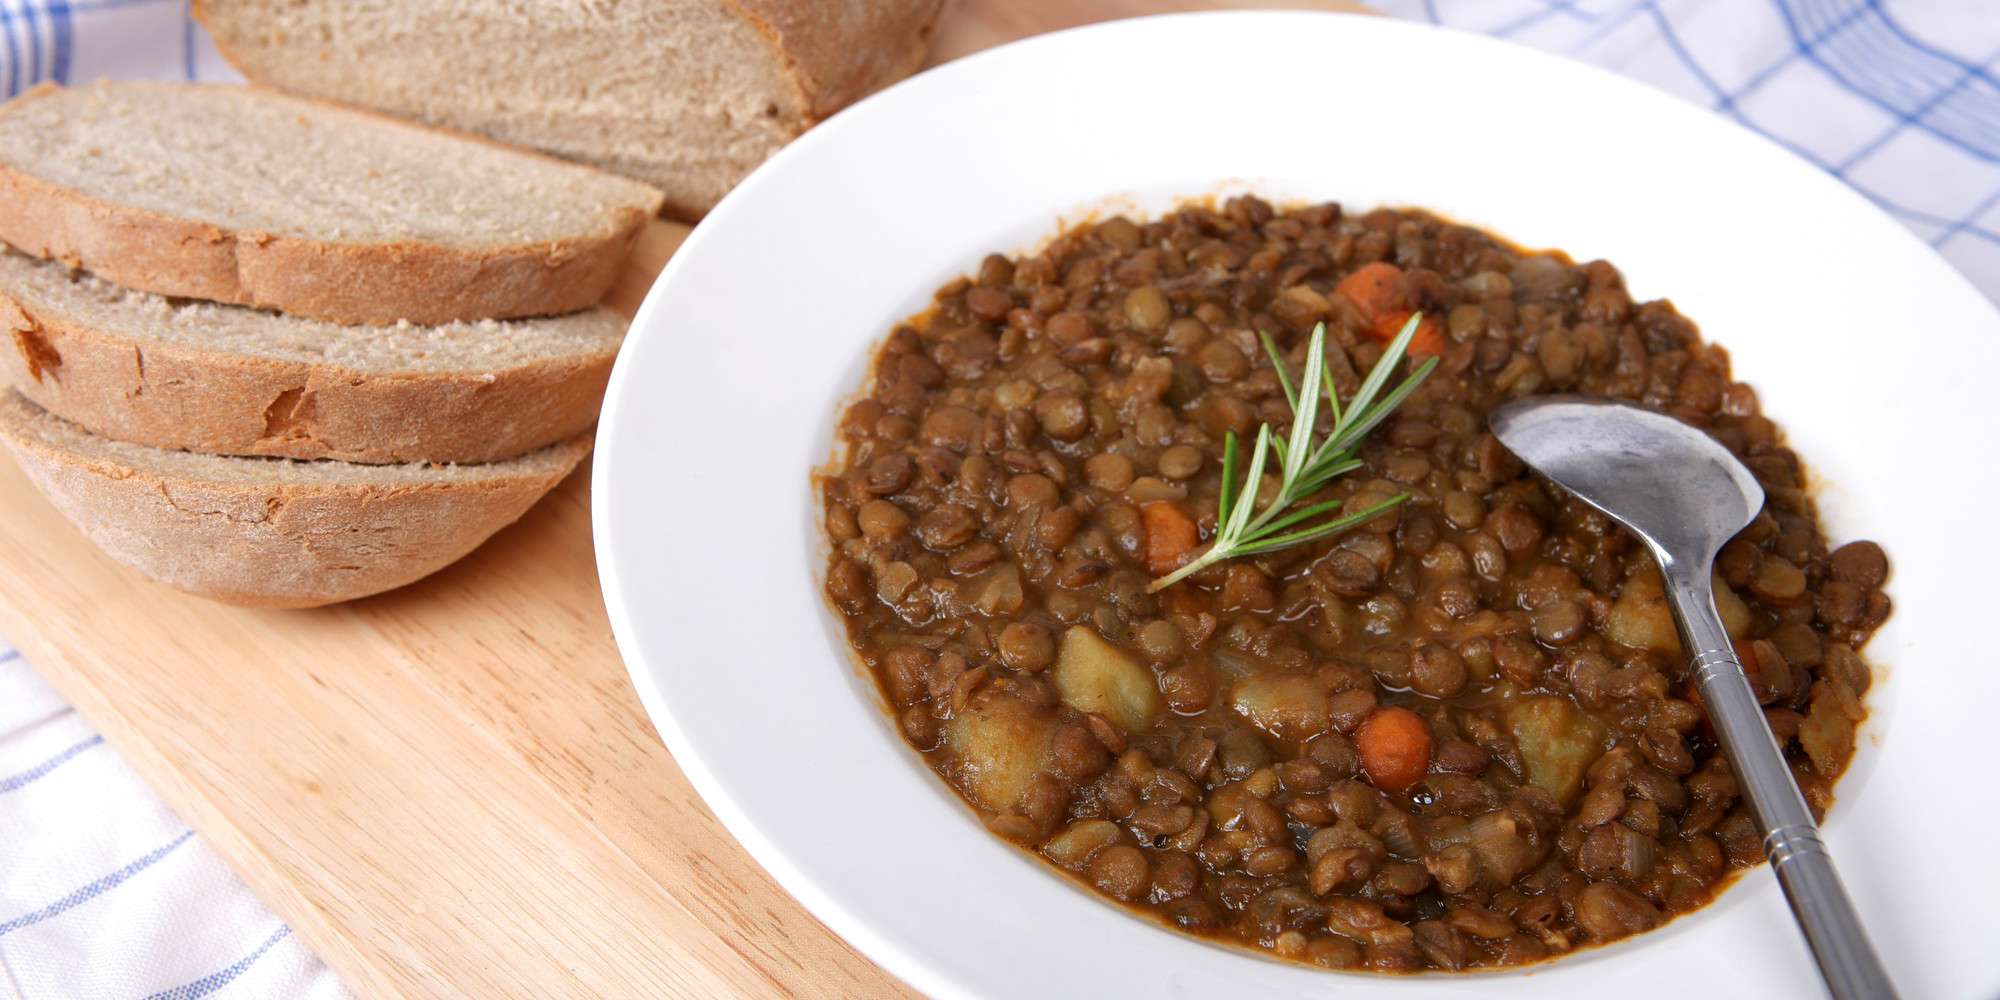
[(831, 52), (839, 51), (280, 544), (176, 396), (351, 283)]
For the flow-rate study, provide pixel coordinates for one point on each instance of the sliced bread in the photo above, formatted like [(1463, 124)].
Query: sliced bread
[(687, 95), (242, 195), (268, 531), (225, 379)]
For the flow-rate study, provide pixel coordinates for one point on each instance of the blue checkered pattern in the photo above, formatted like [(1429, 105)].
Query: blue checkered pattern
[(1899, 98), (81, 40), (104, 892)]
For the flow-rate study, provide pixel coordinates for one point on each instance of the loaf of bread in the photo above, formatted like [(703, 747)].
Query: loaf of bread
[(240, 195), (687, 95), (235, 381), (267, 531)]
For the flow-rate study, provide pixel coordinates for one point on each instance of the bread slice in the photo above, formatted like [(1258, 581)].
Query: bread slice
[(229, 380), (270, 531), (242, 195), (687, 95)]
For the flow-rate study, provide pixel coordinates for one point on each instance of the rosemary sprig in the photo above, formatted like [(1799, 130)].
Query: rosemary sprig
[(1303, 466)]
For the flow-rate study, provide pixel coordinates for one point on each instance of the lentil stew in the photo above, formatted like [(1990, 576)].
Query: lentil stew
[(1456, 736)]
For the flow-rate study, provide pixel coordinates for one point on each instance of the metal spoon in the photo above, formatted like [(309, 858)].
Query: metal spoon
[(1685, 495)]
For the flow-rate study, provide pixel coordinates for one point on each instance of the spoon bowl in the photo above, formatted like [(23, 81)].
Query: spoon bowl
[(1640, 468)]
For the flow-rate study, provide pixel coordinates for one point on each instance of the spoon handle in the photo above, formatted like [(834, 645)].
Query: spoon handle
[(1791, 840)]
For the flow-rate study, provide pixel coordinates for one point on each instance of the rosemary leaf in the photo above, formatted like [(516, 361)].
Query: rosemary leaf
[(1303, 468)]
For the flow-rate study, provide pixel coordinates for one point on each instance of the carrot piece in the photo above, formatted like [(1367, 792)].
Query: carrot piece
[(1427, 341), (1378, 292), (1395, 748), (1171, 536)]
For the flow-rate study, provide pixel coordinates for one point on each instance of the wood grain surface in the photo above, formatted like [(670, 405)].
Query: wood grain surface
[(449, 790)]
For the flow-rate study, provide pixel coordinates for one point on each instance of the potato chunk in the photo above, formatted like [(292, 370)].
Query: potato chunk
[(1557, 743), (1642, 619), (1289, 707), (1073, 847), (1092, 675), (1827, 734), (996, 747)]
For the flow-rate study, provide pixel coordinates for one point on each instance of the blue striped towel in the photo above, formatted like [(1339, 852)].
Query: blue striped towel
[(1899, 98), (103, 892)]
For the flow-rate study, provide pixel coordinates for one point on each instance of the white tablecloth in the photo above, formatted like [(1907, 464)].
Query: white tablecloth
[(105, 893), (1899, 98)]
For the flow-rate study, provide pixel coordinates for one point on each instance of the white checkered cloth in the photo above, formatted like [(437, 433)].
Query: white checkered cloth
[(1899, 98), (105, 893), (72, 41)]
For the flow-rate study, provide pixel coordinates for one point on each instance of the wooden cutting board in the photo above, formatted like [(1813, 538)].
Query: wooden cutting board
[(449, 790)]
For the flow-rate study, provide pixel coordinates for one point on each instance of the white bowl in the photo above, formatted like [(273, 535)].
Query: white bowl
[(1876, 357)]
